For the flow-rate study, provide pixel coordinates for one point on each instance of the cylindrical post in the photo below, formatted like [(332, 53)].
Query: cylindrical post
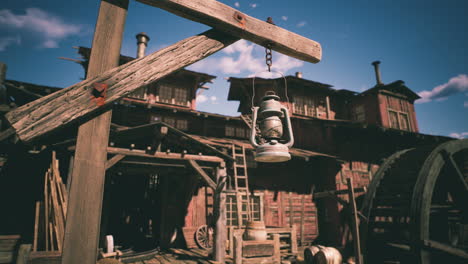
[(377, 72)]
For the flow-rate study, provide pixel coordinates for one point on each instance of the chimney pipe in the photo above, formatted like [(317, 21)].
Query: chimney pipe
[(299, 75), (377, 72), (142, 42)]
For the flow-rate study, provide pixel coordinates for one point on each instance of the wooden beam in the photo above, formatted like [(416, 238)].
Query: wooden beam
[(203, 174), (323, 194), (163, 155), (112, 161), (74, 103), (82, 228), (354, 222), (219, 247), (232, 21)]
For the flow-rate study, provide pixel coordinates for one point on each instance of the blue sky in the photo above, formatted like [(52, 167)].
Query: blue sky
[(423, 43)]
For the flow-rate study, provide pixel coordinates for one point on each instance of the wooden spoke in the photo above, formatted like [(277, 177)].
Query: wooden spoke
[(204, 237), (458, 185), (451, 250)]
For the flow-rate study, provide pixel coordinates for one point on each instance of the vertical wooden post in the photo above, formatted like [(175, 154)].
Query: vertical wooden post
[(219, 249), (87, 187), (354, 223), (238, 248)]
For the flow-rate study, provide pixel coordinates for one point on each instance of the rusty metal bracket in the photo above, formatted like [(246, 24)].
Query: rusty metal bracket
[(240, 18), (98, 93)]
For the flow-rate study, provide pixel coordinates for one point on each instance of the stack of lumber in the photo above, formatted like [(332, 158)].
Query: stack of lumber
[(49, 225), (8, 245)]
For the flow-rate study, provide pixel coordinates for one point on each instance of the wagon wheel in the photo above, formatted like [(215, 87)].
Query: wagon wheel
[(204, 237), (417, 206)]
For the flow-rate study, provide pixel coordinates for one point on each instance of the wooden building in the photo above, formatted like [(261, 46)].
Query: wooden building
[(155, 199)]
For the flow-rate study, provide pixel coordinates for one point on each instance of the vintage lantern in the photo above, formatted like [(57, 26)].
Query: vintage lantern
[(270, 116)]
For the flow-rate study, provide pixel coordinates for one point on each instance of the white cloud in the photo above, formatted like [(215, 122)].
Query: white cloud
[(301, 24), (49, 26), (459, 135), (236, 4), (455, 85), (245, 58), (253, 5), (465, 104), (201, 98), (285, 18), (8, 41)]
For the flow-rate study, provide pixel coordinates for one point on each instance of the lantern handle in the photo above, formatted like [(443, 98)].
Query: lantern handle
[(252, 130), (285, 111), (285, 85)]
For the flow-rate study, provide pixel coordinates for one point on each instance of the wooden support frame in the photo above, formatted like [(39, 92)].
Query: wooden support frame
[(82, 228), (41, 117), (163, 155), (202, 174), (78, 102), (228, 19), (112, 161)]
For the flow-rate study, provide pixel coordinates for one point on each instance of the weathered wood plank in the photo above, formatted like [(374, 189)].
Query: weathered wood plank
[(228, 19), (163, 155), (74, 103), (87, 188), (261, 250)]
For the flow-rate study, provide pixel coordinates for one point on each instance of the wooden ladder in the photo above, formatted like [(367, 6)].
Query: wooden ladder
[(241, 183), (248, 120)]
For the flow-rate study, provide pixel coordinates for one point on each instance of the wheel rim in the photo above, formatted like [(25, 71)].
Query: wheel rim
[(204, 237)]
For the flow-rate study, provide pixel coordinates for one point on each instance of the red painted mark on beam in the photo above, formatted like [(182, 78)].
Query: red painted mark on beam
[(98, 93)]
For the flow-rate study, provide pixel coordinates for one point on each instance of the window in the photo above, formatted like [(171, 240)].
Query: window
[(229, 131), (359, 113), (256, 205), (393, 119), (182, 124), (181, 96), (173, 95), (232, 131), (169, 120), (398, 113), (165, 93), (240, 132), (403, 121), (304, 105)]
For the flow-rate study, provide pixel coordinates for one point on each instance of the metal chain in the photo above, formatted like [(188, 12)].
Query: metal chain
[(268, 57)]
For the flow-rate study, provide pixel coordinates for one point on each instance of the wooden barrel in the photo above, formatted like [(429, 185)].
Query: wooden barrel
[(255, 230), (310, 252), (8, 247), (328, 255)]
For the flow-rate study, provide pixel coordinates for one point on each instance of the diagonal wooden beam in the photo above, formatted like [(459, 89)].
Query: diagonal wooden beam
[(232, 21), (112, 161), (74, 103), (202, 173)]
